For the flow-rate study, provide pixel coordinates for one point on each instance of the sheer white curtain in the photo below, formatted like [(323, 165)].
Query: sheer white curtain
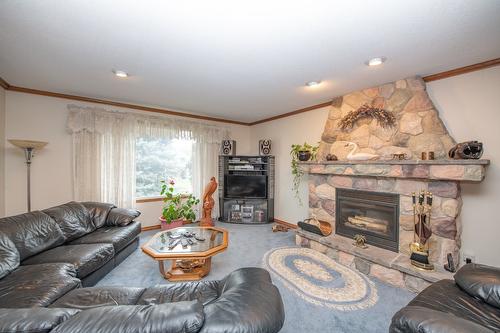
[(104, 151), (205, 166), (103, 156)]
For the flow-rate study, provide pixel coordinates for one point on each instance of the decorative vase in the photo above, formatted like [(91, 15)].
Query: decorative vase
[(173, 224), (304, 155)]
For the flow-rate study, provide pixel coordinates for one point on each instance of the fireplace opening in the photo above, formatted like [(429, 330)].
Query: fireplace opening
[(374, 215)]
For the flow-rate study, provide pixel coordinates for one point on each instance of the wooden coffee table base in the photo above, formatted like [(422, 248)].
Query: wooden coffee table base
[(186, 269)]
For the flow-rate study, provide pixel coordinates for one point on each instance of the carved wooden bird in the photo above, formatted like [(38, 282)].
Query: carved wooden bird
[(208, 203)]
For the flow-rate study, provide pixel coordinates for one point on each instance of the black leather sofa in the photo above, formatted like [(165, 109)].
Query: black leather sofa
[(245, 301), (470, 303), (45, 254)]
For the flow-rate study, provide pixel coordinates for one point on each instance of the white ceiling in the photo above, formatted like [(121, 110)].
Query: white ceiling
[(239, 60)]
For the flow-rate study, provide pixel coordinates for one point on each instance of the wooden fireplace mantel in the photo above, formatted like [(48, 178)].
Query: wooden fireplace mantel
[(456, 170)]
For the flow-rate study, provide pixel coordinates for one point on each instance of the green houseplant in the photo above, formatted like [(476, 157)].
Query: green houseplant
[(301, 153), (177, 208)]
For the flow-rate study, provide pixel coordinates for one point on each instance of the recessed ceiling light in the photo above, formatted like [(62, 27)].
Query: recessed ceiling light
[(376, 61), (120, 73), (313, 83)]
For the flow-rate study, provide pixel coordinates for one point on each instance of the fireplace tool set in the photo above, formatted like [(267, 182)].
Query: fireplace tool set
[(422, 206)]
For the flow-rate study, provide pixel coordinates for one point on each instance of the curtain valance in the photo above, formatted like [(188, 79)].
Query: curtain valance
[(100, 120)]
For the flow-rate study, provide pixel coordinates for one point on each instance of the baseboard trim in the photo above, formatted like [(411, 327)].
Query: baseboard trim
[(286, 224), (151, 227)]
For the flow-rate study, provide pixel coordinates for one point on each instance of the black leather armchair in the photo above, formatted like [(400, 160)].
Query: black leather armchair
[(471, 303)]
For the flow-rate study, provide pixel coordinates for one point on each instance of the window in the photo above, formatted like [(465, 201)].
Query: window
[(159, 159)]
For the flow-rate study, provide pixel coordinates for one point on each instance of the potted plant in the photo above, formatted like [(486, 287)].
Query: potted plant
[(301, 153), (177, 208)]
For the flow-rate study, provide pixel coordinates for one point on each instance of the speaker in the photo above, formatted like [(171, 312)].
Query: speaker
[(228, 147), (264, 147)]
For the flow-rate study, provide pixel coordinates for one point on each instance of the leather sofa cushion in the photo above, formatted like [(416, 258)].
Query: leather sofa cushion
[(121, 216), (73, 219), (32, 232), (119, 237), (87, 298), (33, 320), (181, 317), (480, 281), (37, 285), (98, 212), (203, 291), (422, 320), (86, 258), (446, 296), (9, 256), (249, 302)]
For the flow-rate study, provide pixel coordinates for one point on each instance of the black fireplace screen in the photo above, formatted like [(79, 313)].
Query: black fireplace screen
[(371, 214)]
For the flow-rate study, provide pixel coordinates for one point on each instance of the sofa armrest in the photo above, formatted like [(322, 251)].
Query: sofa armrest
[(480, 281), (248, 302), (416, 319), (32, 320), (179, 317)]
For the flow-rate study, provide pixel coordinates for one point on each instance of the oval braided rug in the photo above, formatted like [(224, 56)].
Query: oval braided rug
[(320, 280)]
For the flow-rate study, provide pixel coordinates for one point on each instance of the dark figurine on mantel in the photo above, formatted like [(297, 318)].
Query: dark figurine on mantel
[(331, 157), (467, 150)]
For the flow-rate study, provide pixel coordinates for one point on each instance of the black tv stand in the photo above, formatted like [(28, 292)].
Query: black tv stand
[(241, 202)]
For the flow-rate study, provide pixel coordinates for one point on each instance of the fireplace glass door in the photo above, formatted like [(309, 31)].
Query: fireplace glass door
[(371, 214)]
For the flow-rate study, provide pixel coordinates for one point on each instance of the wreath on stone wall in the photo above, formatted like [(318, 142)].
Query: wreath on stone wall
[(384, 118)]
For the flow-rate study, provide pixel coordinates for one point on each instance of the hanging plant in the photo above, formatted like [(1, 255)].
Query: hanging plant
[(301, 153), (384, 118)]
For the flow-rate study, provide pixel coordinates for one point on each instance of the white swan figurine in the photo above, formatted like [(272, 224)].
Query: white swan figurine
[(359, 156)]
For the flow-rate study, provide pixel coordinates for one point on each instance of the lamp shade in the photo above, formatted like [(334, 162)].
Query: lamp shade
[(27, 144)]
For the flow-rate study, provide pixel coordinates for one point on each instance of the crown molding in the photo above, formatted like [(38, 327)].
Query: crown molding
[(428, 78), (121, 104), (4, 84), (462, 70), (288, 114)]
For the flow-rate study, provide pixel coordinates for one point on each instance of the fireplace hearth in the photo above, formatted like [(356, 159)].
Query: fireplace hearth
[(374, 215)]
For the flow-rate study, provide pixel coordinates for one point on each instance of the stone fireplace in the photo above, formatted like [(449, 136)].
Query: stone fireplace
[(374, 215), (373, 198)]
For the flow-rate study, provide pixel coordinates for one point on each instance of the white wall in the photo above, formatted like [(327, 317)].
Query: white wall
[(2, 151), (469, 104), (44, 118), (304, 127)]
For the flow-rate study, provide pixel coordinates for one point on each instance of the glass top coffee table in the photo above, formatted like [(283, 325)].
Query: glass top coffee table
[(190, 250)]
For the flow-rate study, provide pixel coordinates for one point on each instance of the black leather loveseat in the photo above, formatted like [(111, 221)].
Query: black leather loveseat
[(45, 254), (245, 301), (471, 303)]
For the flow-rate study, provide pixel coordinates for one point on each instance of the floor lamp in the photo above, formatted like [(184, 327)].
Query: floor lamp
[(29, 148)]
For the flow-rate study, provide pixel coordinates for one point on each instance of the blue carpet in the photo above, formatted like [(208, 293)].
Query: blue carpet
[(248, 245)]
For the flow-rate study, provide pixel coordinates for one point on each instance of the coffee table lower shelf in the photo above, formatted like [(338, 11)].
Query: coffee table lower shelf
[(185, 269)]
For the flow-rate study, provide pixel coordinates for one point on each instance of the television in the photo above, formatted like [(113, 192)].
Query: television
[(248, 186)]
